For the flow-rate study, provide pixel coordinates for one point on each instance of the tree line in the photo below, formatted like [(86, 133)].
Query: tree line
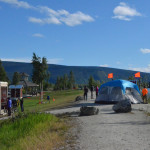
[(65, 82), (41, 76)]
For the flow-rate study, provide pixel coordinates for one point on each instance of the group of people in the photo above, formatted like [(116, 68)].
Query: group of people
[(92, 89), (10, 105)]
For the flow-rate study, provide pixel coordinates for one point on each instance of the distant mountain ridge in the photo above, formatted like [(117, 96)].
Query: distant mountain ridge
[(81, 73)]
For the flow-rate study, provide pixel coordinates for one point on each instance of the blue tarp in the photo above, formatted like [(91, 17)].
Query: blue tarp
[(123, 84)]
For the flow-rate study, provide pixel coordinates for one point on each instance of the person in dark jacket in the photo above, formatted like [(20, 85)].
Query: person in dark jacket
[(92, 89), (21, 104), (48, 98), (9, 106), (85, 92)]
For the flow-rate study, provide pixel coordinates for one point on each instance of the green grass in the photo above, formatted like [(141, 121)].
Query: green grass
[(62, 98), (33, 130), (15, 133)]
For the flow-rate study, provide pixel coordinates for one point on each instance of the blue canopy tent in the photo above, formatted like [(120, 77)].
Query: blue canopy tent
[(116, 90)]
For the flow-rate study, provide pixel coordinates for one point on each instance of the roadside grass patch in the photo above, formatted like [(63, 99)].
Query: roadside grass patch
[(32, 131), (148, 114), (35, 130), (62, 98)]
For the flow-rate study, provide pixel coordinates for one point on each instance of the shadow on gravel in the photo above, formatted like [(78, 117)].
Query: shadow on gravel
[(127, 123), (81, 105), (87, 104), (69, 114), (110, 113)]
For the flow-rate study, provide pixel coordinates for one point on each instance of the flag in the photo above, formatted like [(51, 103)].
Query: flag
[(110, 75), (137, 75)]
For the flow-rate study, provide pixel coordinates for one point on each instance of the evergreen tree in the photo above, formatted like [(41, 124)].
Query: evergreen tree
[(16, 78), (3, 75), (65, 81), (91, 81), (40, 71), (71, 80), (61, 83), (57, 84), (36, 62)]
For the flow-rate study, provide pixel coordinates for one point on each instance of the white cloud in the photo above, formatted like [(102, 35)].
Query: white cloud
[(76, 18), (28, 60), (52, 16), (51, 20), (124, 12), (61, 16), (145, 50), (55, 61), (141, 69), (48, 11), (35, 20), (38, 35), (17, 59), (105, 65), (18, 3)]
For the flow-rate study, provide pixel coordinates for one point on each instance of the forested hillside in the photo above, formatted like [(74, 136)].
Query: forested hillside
[(81, 74)]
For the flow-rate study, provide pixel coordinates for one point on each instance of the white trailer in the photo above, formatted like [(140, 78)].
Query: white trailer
[(3, 94)]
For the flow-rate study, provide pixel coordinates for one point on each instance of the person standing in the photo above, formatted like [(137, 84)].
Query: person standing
[(21, 104), (85, 92), (48, 98), (92, 89), (97, 91), (144, 95), (9, 106)]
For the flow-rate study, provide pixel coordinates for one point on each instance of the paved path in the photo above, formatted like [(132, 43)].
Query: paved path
[(111, 131)]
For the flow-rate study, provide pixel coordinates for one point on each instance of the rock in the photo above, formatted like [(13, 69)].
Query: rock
[(79, 98), (122, 106), (87, 111)]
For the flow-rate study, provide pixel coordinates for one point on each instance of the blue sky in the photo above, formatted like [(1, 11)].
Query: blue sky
[(110, 33)]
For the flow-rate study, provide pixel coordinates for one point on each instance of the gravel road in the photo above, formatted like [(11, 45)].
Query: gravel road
[(108, 130)]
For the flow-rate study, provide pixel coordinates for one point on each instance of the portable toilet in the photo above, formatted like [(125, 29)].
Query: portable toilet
[(3, 94)]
